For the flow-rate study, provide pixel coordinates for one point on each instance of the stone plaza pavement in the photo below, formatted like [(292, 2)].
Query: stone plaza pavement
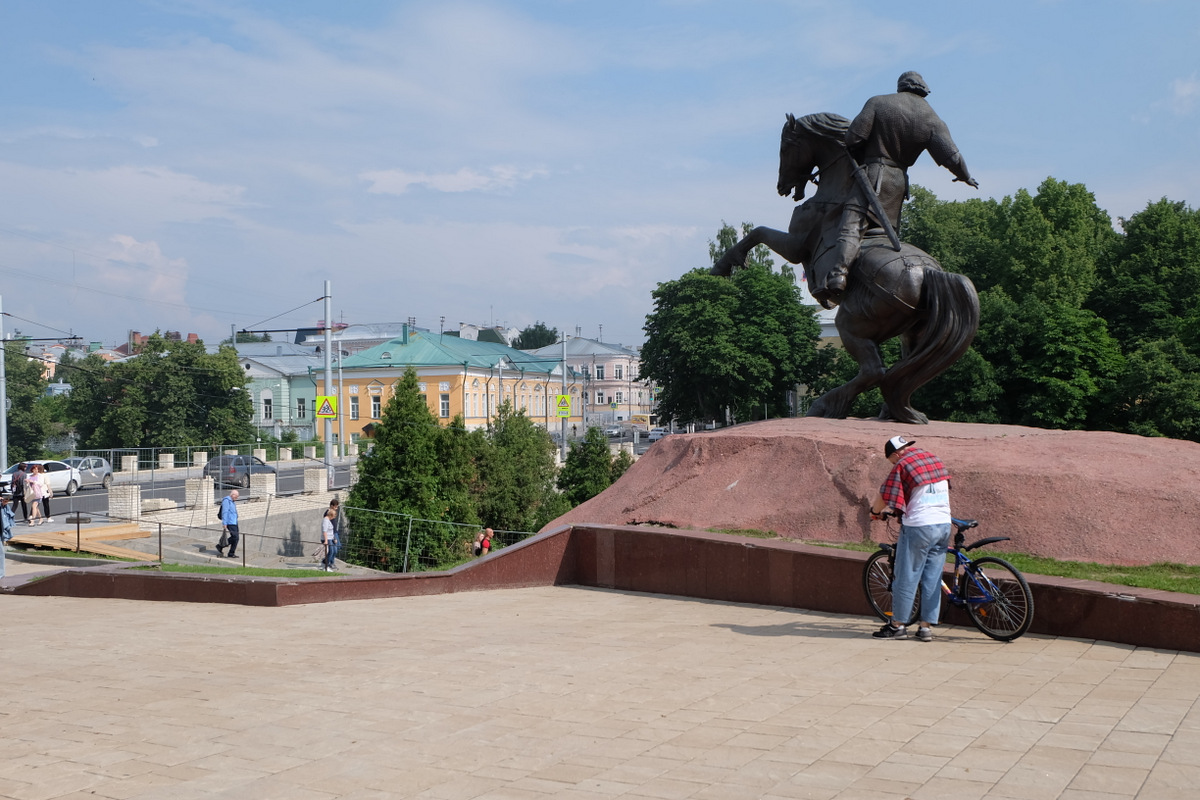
[(565, 692)]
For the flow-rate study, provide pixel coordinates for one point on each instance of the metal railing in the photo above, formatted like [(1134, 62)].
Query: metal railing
[(375, 540)]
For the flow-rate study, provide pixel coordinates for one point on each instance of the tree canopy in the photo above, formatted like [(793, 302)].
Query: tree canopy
[(171, 394), (740, 343), (1081, 326), (535, 336)]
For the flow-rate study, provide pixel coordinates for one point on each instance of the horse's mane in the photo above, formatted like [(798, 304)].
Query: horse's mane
[(826, 125)]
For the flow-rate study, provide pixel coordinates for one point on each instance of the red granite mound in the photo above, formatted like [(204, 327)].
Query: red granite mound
[(1080, 495)]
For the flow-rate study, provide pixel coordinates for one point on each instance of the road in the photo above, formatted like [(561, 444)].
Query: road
[(95, 501)]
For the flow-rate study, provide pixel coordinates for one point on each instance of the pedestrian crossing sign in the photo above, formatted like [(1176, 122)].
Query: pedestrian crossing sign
[(326, 406), (564, 405)]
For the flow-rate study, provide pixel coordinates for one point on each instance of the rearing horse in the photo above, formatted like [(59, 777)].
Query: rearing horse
[(890, 293)]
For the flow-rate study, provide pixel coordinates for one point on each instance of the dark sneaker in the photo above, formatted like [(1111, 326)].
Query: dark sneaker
[(924, 634), (888, 631)]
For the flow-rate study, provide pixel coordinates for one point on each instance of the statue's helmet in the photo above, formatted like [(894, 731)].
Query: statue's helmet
[(912, 82)]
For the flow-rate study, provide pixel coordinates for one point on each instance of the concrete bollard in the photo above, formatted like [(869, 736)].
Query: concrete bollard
[(199, 493), (352, 449), (260, 453), (199, 458), (262, 484), (233, 452), (310, 452), (285, 454), (125, 500), (166, 461), (315, 481), (129, 464)]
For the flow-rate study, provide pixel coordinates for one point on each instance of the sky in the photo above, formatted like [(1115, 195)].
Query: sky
[(194, 165)]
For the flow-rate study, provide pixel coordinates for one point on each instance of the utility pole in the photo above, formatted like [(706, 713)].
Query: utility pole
[(3, 394), (329, 382), (563, 440)]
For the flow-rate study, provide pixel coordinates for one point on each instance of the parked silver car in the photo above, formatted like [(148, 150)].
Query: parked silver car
[(93, 470), (62, 478)]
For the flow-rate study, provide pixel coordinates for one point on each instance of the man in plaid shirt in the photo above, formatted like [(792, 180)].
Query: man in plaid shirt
[(918, 488)]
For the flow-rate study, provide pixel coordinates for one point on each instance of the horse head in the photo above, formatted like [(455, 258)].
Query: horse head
[(808, 146)]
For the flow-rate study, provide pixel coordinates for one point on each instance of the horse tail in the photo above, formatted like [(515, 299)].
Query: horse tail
[(951, 310)]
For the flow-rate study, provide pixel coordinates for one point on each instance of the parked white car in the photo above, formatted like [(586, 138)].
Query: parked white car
[(62, 478), (657, 433)]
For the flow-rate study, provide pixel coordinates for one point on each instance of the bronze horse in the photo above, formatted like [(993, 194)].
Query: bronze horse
[(890, 293)]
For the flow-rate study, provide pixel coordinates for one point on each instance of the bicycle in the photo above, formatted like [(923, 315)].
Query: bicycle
[(993, 592)]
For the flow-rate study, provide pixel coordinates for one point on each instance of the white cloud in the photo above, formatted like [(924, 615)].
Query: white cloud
[(395, 181), (1184, 93)]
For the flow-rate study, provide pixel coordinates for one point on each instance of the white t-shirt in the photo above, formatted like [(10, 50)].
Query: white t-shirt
[(327, 529), (929, 504)]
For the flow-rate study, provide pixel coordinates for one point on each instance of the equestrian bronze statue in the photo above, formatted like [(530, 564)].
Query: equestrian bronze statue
[(845, 238)]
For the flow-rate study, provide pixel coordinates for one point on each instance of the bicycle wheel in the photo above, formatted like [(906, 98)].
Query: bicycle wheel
[(877, 583), (998, 598)]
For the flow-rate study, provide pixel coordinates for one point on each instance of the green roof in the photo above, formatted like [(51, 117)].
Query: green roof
[(434, 350)]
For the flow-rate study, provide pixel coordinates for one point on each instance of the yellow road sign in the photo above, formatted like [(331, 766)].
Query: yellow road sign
[(326, 406), (564, 405)]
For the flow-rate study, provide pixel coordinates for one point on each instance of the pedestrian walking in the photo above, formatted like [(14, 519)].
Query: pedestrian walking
[(18, 489), (229, 524)]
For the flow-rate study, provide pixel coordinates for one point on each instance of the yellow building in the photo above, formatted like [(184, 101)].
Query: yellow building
[(457, 376)]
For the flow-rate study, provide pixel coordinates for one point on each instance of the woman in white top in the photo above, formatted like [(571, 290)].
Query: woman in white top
[(35, 491)]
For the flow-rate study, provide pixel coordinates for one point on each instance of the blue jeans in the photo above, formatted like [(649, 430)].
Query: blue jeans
[(920, 558), (331, 550), (233, 539)]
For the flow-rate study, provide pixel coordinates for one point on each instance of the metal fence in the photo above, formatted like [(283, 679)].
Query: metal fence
[(394, 542), (150, 458), (286, 533)]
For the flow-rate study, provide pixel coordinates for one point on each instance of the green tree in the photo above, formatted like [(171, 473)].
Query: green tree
[(399, 474), (621, 463), (535, 336), (588, 470), (172, 394), (517, 473), (248, 337), (1040, 358), (459, 453), (1150, 289), (727, 237), (1159, 392), (739, 343), (29, 413)]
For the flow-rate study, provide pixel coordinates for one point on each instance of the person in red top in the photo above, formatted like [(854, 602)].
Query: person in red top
[(917, 488)]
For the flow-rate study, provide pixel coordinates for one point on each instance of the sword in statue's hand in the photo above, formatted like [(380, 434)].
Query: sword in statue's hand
[(868, 191)]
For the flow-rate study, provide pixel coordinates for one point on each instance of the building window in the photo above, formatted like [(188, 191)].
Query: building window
[(354, 438), (376, 406), (620, 398), (353, 408), (301, 412), (599, 372), (445, 405), (599, 397), (619, 372), (266, 410)]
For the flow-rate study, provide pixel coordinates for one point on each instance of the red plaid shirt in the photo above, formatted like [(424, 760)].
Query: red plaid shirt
[(915, 468)]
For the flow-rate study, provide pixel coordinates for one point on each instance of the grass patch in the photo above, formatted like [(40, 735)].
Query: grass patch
[(1164, 576), (752, 533), (257, 572)]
